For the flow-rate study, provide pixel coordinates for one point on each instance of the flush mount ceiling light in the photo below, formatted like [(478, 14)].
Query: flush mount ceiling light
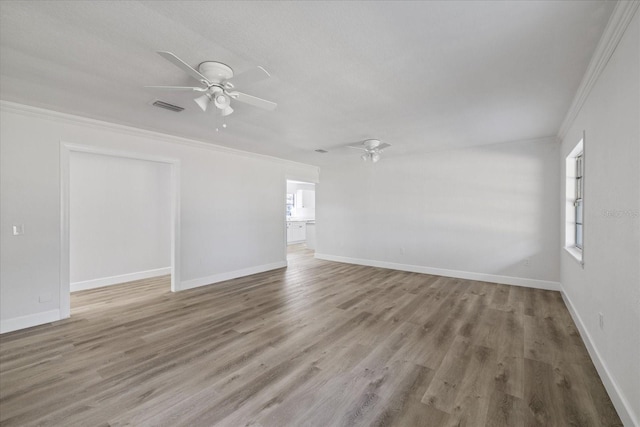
[(372, 149), (216, 85)]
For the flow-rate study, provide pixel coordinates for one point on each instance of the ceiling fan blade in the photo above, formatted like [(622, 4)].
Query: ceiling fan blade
[(356, 148), (253, 100), (179, 88), (383, 146), (184, 67), (253, 75)]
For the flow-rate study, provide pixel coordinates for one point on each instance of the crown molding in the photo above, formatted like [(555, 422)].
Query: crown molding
[(43, 113), (618, 23)]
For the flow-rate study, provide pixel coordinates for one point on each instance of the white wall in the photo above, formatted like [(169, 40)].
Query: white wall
[(223, 234), (488, 213), (610, 280), (120, 219), (293, 186)]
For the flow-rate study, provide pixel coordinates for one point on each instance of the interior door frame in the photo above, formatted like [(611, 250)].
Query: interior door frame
[(302, 180), (65, 179)]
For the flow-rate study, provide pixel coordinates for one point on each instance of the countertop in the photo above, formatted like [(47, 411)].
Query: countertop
[(299, 219)]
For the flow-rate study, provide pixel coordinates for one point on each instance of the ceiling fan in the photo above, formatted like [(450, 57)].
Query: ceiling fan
[(216, 88), (372, 149)]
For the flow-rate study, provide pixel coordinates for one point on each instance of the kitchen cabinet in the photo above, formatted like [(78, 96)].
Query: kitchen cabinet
[(296, 231), (311, 235), (305, 199)]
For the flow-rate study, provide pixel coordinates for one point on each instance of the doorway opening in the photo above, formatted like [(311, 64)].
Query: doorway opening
[(300, 216), (119, 219)]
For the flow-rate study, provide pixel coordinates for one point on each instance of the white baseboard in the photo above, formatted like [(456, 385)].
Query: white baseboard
[(122, 278), (506, 280), (203, 281), (622, 405), (22, 322)]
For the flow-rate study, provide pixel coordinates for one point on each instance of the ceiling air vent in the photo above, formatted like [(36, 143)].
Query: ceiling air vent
[(167, 106), (320, 150)]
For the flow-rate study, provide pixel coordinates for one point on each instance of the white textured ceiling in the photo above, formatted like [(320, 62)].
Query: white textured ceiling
[(422, 76)]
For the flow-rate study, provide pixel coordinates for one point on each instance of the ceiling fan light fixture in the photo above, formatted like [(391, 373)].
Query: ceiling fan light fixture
[(214, 76), (222, 101), (203, 101), (372, 148)]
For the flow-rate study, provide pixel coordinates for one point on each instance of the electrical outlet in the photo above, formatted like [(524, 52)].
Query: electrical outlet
[(527, 262), (402, 250), (45, 297), (601, 320)]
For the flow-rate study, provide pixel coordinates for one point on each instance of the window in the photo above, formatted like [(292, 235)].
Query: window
[(291, 198), (574, 212), (577, 204)]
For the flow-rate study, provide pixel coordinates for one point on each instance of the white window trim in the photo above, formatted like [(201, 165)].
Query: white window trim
[(575, 254), (570, 193)]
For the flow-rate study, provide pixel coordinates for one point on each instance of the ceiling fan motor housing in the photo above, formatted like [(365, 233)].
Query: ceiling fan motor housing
[(371, 144), (215, 72)]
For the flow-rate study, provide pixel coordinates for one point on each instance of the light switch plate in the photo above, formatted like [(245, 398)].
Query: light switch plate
[(18, 229)]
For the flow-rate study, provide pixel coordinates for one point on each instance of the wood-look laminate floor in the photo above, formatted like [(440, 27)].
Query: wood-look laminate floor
[(316, 344)]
